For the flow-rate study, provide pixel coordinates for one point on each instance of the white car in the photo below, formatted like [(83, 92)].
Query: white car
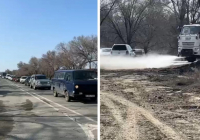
[(105, 51), (139, 51), (7, 76), (22, 79), (122, 50), (10, 77)]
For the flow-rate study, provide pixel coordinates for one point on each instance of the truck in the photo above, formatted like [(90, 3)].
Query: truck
[(189, 42)]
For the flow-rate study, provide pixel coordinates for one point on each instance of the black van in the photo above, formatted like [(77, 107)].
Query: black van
[(75, 84)]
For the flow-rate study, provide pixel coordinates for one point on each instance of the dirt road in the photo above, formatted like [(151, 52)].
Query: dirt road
[(150, 104)]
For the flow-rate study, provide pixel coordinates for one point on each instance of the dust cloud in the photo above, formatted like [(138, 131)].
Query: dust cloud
[(141, 62)]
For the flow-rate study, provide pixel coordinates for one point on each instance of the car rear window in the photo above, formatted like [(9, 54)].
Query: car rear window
[(119, 47), (23, 77), (85, 75), (40, 77)]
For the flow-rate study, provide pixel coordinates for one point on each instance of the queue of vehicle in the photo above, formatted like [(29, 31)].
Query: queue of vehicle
[(73, 84)]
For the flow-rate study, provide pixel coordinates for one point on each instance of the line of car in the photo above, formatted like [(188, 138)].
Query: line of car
[(73, 84)]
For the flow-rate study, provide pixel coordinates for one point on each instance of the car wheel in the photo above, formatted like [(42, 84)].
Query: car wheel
[(31, 86), (34, 87), (55, 94), (67, 97)]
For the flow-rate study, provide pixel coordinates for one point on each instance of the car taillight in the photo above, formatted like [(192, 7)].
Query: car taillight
[(126, 52)]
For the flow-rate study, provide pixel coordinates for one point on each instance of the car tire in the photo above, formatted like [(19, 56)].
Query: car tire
[(31, 86), (55, 94), (49, 88), (67, 97), (34, 87)]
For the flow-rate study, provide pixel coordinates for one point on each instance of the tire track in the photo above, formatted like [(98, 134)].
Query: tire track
[(165, 129), (128, 126)]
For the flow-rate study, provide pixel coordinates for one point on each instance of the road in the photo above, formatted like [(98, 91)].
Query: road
[(28, 114)]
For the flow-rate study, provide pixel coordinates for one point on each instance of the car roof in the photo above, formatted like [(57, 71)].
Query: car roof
[(74, 70)]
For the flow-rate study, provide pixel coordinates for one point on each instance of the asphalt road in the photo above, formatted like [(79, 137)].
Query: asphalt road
[(28, 114)]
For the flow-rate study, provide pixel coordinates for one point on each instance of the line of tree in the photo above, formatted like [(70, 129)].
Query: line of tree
[(147, 24), (76, 54)]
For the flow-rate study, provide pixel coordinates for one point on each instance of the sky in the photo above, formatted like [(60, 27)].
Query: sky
[(32, 27)]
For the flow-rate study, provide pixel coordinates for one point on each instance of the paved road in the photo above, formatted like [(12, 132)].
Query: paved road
[(28, 114)]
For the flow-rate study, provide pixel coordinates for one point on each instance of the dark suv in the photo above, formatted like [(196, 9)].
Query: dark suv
[(75, 84)]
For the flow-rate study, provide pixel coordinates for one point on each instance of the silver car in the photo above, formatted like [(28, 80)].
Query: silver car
[(105, 51), (39, 81)]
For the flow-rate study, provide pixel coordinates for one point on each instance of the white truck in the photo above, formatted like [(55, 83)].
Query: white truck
[(189, 42)]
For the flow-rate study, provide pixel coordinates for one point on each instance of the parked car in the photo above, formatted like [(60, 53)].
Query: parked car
[(17, 79), (22, 79), (7, 75), (139, 52), (105, 51), (13, 78), (27, 81), (75, 84), (122, 50), (10, 77), (39, 81)]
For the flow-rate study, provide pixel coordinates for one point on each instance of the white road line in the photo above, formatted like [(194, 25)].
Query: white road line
[(86, 130), (88, 118), (43, 101)]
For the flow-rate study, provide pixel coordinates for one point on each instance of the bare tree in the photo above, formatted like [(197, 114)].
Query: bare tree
[(127, 18), (106, 8)]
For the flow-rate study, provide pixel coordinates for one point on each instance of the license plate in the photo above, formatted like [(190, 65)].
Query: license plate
[(89, 95)]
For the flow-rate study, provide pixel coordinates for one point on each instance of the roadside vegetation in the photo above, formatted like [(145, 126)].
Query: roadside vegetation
[(79, 53)]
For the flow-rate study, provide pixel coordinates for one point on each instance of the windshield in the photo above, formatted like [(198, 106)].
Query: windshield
[(190, 30), (119, 47), (23, 77), (40, 77), (85, 75)]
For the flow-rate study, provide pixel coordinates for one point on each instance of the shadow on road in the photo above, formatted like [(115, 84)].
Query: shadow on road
[(84, 101)]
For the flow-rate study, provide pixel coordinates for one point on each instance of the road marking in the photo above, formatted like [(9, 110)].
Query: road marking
[(43, 101), (88, 118), (86, 130), (84, 127)]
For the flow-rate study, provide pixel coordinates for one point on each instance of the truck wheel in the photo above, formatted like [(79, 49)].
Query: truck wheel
[(190, 59), (67, 97)]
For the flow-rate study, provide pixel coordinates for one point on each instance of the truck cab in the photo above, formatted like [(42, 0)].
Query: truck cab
[(189, 42)]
